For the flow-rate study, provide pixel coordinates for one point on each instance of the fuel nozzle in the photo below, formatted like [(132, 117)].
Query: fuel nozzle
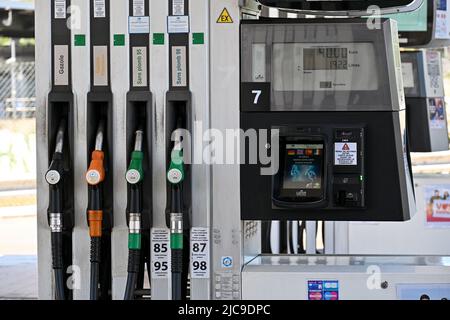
[(134, 177), (55, 171), (54, 178), (94, 177), (135, 173), (175, 177), (96, 172)]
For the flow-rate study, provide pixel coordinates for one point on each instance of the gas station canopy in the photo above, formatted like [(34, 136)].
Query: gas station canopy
[(16, 19)]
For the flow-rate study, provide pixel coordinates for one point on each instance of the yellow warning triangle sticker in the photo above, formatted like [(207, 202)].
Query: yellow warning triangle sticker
[(225, 17)]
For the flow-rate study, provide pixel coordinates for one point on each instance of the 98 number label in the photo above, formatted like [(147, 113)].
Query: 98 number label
[(200, 253), (200, 265)]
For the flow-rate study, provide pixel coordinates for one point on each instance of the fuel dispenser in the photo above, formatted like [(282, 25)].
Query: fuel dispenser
[(425, 101), (178, 148), (59, 176), (336, 116), (139, 129), (99, 176), (323, 98)]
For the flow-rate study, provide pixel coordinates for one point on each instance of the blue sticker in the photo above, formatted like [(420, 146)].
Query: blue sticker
[(323, 290), (227, 262)]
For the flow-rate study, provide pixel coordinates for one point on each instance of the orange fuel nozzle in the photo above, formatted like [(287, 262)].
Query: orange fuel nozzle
[(96, 171)]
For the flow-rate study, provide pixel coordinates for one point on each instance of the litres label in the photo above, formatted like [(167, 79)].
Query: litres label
[(345, 154), (61, 63), (160, 255), (99, 9), (100, 66), (139, 67), (60, 9), (138, 8), (200, 253), (179, 72)]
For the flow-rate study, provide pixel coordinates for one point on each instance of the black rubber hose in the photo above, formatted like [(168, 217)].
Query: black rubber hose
[(59, 284), (131, 286), (177, 274), (134, 258), (57, 263), (95, 267)]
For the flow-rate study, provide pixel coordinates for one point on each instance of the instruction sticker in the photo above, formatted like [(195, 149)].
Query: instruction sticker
[(200, 253), (179, 71), (101, 66), (60, 9), (138, 25), (160, 255), (61, 63), (178, 24), (178, 7), (99, 9), (139, 67), (138, 8), (408, 75), (225, 17), (346, 154)]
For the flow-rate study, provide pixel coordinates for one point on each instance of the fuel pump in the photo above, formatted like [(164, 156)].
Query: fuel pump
[(134, 177), (55, 179), (139, 140), (59, 152), (175, 177), (425, 101), (94, 177)]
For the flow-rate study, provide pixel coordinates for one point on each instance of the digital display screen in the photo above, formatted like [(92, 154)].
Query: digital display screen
[(324, 67), (303, 166), (325, 59)]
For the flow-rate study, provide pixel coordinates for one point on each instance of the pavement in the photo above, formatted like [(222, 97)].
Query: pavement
[(18, 278), (18, 246)]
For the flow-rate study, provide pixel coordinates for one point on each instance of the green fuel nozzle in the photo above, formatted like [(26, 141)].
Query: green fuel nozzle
[(175, 175), (135, 173)]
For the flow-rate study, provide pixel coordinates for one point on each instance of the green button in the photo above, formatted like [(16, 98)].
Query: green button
[(119, 40), (80, 40), (158, 38), (198, 38)]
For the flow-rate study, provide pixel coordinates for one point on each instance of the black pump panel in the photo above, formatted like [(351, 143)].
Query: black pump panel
[(370, 185), (325, 101)]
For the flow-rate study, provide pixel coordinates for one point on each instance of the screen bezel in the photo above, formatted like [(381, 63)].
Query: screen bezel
[(354, 8), (288, 196), (421, 38)]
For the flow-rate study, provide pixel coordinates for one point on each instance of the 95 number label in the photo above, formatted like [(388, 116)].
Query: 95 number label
[(160, 253), (200, 253)]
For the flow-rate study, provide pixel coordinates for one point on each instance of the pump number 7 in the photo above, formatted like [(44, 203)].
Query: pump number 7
[(255, 96)]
